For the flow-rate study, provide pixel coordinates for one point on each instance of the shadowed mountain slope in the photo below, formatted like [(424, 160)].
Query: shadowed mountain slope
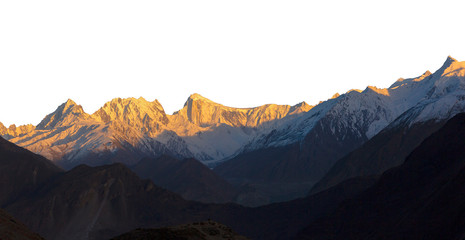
[(444, 98), (188, 177), (96, 203), (22, 171), (424, 198), (102, 202), (386, 150)]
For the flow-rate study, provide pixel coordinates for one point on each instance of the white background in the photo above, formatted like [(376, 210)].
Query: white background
[(237, 53)]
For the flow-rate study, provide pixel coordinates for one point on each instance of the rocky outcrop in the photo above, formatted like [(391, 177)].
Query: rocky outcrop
[(12, 131), (146, 117)]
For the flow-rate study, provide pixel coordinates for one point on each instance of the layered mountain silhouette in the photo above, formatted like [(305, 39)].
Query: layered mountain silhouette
[(85, 202), (387, 163), (421, 199), (106, 201), (269, 153)]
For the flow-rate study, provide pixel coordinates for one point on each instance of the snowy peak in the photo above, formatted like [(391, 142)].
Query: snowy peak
[(448, 79), (336, 95), (139, 113), (367, 112), (300, 108), (403, 81), (426, 74), (449, 63), (66, 114), (454, 68), (381, 91), (450, 60)]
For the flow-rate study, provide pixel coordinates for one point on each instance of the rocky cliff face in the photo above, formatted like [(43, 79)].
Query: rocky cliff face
[(204, 112), (146, 117)]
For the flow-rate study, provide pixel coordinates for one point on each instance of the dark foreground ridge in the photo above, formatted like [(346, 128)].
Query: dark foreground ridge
[(11, 228), (208, 230), (424, 198), (106, 201)]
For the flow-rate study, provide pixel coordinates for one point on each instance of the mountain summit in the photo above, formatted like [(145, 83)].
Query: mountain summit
[(66, 114), (144, 116), (284, 145)]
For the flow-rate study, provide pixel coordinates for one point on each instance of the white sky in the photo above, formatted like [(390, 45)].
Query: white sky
[(237, 53)]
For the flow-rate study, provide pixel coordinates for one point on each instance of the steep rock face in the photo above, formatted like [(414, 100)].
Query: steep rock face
[(444, 97), (189, 178), (421, 199), (146, 117), (204, 112)]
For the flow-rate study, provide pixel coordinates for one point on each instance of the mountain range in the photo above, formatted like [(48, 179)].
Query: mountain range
[(422, 198), (371, 164), (269, 153), (125, 130)]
